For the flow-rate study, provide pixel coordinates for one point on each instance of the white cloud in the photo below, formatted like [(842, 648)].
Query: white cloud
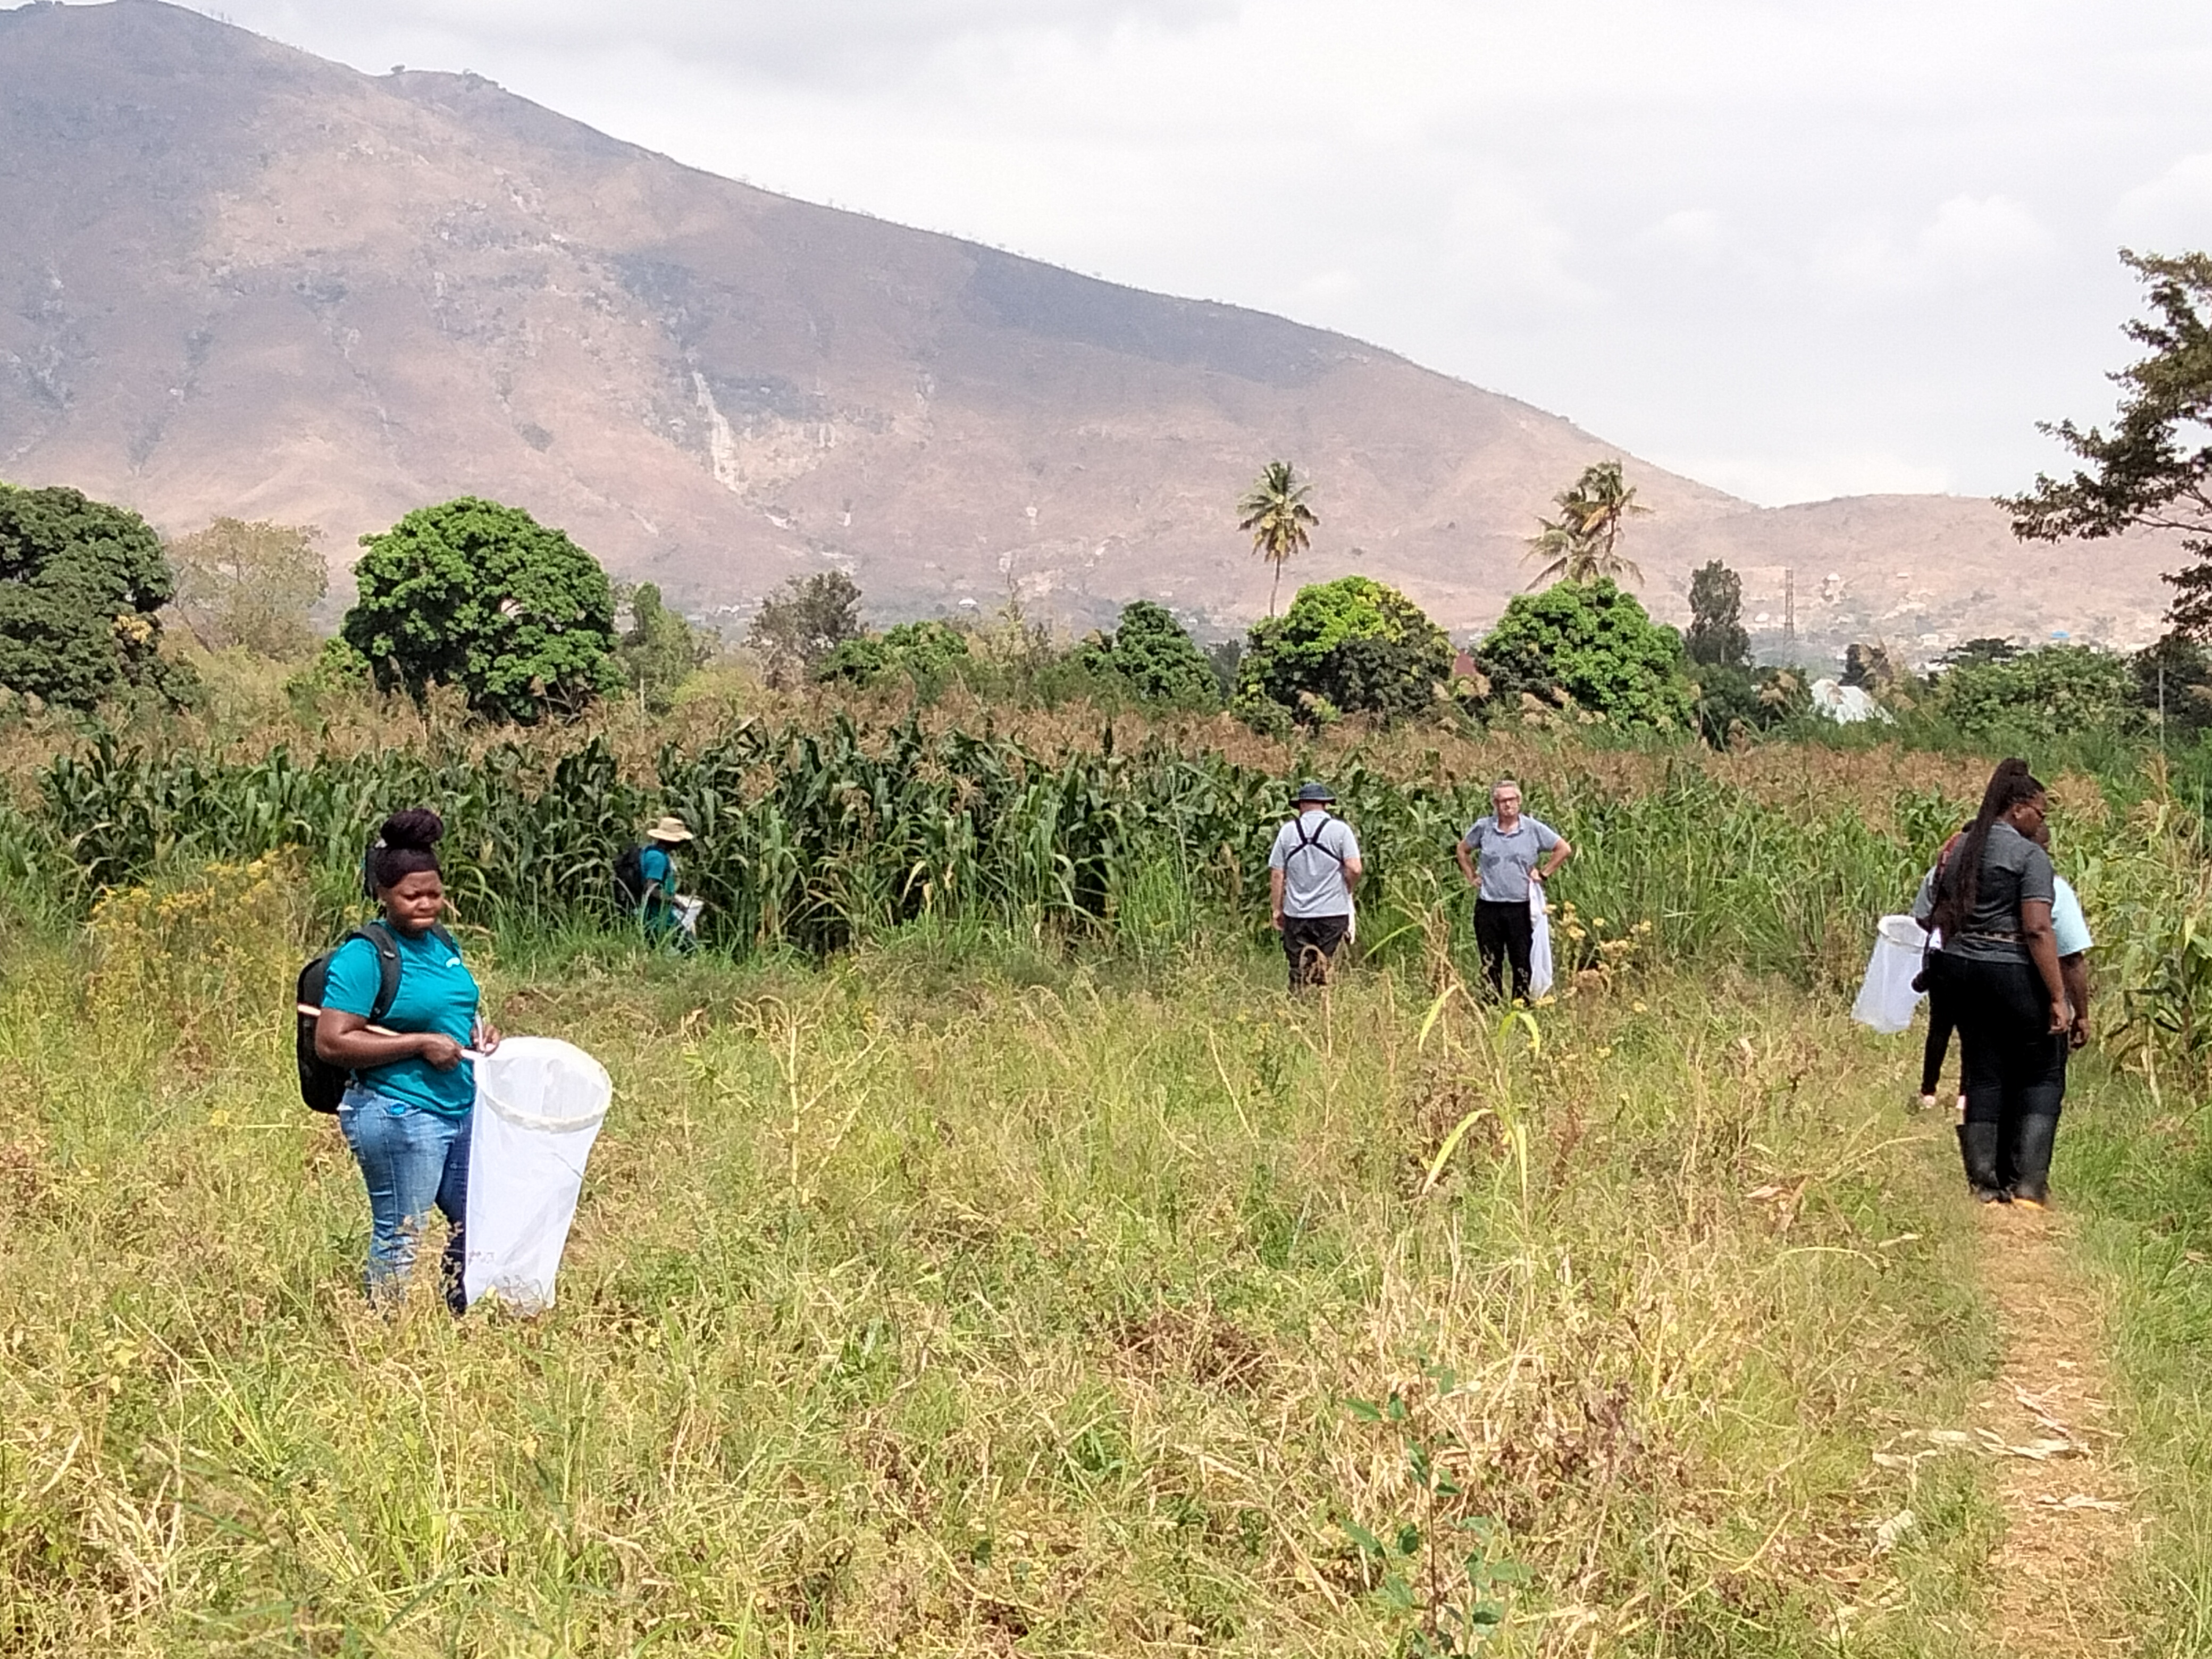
[(2171, 212), (1830, 244), (1967, 241)]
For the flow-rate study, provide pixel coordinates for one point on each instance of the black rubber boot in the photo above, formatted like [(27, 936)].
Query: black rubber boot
[(2031, 1159), (1979, 1141)]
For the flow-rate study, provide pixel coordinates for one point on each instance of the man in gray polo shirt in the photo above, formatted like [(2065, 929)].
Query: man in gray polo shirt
[(1311, 871)]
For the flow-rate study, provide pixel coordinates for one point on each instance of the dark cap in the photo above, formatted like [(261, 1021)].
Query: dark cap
[(1312, 790)]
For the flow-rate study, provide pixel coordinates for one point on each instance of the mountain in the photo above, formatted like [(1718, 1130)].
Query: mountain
[(239, 279)]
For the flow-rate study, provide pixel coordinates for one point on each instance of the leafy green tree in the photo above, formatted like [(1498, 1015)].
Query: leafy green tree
[(2059, 691), (2154, 467), (659, 650), (1717, 636), (1583, 544), (481, 596), (1594, 645), (1154, 655), (1351, 646), (923, 652), (80, 583), (802, 621), (250, 585), (1274, 514)]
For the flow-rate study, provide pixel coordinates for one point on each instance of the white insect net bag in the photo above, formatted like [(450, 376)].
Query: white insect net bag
[(1887, 999), (540, 1104), (1540, 944)]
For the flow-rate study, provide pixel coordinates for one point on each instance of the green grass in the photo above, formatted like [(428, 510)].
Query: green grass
[(2138, 1168), (970, 1297)]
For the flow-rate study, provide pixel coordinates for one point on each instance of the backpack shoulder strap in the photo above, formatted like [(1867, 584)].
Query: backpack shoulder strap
[(1314, 842), (379, 939)]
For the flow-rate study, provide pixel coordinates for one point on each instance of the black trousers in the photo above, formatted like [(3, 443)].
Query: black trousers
[(1312, 943), (2013, 1066), (1942, 1020), (1503, 932)]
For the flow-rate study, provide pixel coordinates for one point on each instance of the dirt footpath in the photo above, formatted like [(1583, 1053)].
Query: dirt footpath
[(2068, 1525)]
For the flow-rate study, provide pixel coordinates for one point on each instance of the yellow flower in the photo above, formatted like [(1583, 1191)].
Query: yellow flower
[(218, 1119)]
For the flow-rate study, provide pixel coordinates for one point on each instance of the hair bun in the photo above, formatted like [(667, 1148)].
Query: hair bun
[(417, 828)]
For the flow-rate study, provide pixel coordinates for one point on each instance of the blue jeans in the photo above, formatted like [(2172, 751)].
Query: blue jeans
[(410, 1160)]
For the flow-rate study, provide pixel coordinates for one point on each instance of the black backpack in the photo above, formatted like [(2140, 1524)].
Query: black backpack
[(629, 880), (322, 1085)]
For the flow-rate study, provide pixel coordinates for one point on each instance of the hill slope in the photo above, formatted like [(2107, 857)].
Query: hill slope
[(247, 281)]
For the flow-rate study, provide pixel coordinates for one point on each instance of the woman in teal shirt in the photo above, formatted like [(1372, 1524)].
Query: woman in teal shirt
[(406, 1111)]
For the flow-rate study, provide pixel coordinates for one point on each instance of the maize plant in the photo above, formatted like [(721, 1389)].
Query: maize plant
[(810, 838)]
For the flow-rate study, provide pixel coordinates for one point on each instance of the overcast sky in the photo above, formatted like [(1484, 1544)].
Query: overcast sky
[(1795, 248)]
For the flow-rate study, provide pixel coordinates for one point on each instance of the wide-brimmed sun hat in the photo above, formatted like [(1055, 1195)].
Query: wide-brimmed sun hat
[(668, 829), (1314, 790)]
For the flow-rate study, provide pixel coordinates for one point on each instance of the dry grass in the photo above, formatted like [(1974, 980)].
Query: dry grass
[(921, 1308)]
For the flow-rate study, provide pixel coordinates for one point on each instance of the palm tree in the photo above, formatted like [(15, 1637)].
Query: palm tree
[(1582, 543), (1275, 514)]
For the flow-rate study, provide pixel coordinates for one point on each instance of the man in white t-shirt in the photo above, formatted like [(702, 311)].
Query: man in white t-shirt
[(1312, 869)]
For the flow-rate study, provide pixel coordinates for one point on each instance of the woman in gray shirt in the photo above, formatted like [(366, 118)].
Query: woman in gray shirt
[(1508, 848), (1999, 968)]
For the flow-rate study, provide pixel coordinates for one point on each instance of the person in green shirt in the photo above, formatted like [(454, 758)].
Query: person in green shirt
[(406, 1112)]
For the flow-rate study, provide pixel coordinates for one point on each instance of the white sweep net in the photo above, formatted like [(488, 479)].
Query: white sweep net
[(540, 1104), (1540, 944), (1887, 999)]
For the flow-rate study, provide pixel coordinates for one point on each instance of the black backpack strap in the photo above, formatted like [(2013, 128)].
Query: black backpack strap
[(1314, 842), (379, 938)]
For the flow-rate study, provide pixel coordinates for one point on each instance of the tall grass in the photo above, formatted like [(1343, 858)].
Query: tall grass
[(981, 1253), (966, 1297)]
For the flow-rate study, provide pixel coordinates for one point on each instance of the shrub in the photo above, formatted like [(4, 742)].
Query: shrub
[(2059, 691), (1591, 644), (1154, 656), (2173, 683), (924, 652), (1350, 645), (1729, 701), (482, 597)]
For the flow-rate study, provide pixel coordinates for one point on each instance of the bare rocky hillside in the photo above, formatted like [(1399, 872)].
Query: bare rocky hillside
[(237, 279)]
